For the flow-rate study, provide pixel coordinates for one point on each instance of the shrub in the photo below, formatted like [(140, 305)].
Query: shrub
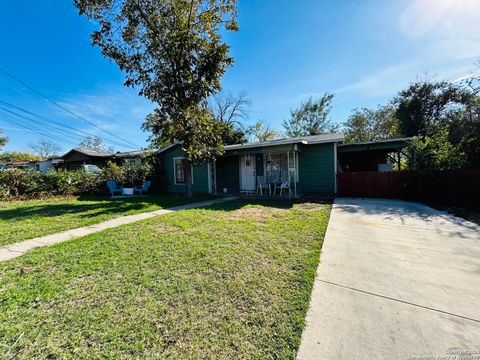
[(21, 183)]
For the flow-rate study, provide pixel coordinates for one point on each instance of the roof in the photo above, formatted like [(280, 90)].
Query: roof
[(135, 153), (384, 145), (378, 141), (89, 153), (169, 147), (306, 140)]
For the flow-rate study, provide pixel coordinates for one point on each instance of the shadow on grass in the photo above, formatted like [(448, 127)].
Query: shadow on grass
[(101, 205)]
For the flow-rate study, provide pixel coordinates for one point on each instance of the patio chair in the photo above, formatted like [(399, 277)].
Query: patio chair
[(140, 190), (114, 188), (281, 186), (262, 184)]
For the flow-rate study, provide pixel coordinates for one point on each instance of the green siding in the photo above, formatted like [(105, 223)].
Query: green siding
[(315, 164), (228, 174), (200, 179), (200, 173), (316, 168)]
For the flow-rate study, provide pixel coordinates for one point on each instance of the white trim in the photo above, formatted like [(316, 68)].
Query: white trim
[(175, 171)]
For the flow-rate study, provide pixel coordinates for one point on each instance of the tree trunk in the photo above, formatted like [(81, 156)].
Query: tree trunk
[(188, 178)]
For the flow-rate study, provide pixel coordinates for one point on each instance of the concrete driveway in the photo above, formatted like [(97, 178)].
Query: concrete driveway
[(396, 280)]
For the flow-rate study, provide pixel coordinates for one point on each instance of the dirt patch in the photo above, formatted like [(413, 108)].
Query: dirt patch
[(254, 212), (309, 206)]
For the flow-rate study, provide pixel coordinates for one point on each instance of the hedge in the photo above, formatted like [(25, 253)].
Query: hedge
[(22, 183)]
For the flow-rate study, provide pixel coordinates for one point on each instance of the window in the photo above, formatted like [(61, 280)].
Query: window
[(179, 164), (179, 171)]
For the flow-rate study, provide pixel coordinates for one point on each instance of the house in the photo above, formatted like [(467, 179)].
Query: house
[(46, 164), (306, 165), (131, 157), (76, 158), (19, 164)]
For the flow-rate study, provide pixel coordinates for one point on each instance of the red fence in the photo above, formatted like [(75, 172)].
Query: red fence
[(452, 186), (373, 184)]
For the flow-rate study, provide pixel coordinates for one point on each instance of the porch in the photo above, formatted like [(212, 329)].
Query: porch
[(268, 173)]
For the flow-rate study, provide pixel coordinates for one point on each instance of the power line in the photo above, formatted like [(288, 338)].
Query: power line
[(49, 136), (65, 108), (33, 122), (107, 141)]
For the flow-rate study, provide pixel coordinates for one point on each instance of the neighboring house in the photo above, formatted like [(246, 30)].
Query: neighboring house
[(47, 164), (19, 164), (76, 158), (307, 164), (131, 157)]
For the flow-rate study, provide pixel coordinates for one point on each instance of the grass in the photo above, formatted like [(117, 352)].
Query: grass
[(21, 220), (228, 281)]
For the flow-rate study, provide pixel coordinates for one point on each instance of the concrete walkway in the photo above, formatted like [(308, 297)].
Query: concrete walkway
[(396, 280), (11, 251)]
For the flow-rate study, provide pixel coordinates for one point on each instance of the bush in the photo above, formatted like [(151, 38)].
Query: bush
[(21, 183)]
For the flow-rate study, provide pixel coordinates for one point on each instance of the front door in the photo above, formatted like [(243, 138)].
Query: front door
[(247, 170)]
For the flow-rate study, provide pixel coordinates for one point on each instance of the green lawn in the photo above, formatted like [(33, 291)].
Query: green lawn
[(21, 220), (228, 281)]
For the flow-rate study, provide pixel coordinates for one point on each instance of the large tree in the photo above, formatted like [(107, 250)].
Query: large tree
[(230, 112), (372, 124), (422, 107), (173, 51), (45, 148), (311, 118), (3, 140), (444, 119)]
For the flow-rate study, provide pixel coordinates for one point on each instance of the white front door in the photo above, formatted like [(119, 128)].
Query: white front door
[(247, 170)]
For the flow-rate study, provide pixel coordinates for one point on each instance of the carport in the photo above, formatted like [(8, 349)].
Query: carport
[(371, 155)]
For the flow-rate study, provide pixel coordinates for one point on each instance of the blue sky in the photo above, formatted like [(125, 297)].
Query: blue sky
[(363, 51)]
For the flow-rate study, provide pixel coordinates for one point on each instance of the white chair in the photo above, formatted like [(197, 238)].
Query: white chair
[(284, 186), (262, 184)]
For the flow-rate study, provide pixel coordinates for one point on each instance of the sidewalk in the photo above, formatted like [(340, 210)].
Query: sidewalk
[(11, 251)]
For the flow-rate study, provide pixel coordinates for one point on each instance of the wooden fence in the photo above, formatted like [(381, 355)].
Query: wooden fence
[(454, 186)]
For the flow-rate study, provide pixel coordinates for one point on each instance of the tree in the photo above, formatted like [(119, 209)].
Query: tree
[(424, 105), (435, 153), (372, 124), (311, 118), (464, 130), (230, 111), (260, 131), (3, 140), (46, 149), (18, 155), (172, 50), (95, 144)]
